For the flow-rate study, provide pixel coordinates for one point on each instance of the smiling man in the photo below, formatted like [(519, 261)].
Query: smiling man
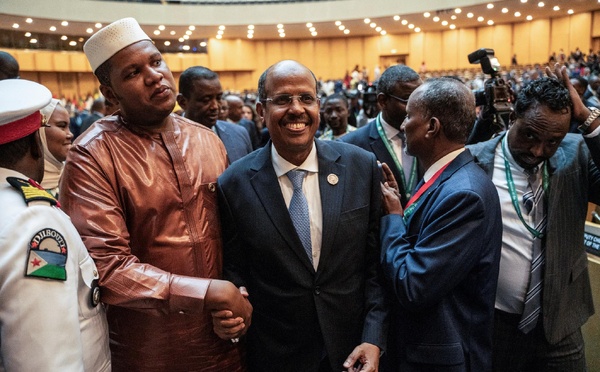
[(335, 114), (301, 220), (140, 188)]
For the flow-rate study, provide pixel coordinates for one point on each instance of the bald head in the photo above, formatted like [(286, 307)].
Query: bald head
[(9, 67)]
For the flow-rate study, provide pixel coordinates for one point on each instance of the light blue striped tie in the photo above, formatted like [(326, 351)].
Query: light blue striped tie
[(533, 298), (299, 210)]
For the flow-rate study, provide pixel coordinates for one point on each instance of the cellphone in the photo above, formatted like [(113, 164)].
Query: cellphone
[(381, 172)]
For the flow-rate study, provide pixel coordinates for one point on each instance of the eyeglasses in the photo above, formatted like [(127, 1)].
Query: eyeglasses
[(405, 101), (283, 100)]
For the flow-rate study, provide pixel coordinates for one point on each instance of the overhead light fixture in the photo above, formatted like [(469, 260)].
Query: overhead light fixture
[(337, 23), (367, 20), (98, 25), (29, 20), (64, 23), (161, 27), (192, 28), (396, 18), (490, 6), (52, 28), (309, 25), (426, 14)]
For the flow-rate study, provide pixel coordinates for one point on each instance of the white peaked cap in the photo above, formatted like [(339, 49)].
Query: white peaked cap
[(20, 104), (111, 39)]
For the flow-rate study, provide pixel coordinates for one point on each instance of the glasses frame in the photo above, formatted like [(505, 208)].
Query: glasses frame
[(270, 99), (405, 101)]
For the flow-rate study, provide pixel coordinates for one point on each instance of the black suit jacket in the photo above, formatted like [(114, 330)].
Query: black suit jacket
[(368, 138), (300, 313), (235, 138)]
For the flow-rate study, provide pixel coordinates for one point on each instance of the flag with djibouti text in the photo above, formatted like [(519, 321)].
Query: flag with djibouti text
[(47, 255)]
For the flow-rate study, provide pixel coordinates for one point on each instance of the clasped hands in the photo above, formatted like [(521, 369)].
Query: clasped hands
[(231, 311)]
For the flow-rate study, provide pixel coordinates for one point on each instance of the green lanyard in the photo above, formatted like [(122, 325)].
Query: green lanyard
[(513, 192), (413, 171)]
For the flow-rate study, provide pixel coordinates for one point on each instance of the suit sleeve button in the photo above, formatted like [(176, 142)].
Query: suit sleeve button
[(317, 290)]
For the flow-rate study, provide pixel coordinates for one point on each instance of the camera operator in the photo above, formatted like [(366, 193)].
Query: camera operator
[(494, 99), (369, 109)]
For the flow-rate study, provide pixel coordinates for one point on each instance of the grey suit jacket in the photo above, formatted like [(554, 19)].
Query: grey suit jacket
[(299, 312), (574, 180), (235, 138)]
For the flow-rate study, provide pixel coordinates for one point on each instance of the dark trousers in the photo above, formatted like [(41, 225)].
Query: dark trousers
[(514, 351)]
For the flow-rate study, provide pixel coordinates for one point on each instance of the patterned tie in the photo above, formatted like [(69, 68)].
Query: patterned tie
[(299, 210), (534, 202)]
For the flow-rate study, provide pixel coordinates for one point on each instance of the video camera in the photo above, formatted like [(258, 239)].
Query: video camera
[(495, 94), (370, 101)]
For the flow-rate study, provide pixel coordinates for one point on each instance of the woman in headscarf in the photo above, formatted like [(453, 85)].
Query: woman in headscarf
[(56, 139)]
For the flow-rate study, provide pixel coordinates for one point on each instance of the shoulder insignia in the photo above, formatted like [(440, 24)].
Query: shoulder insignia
[(32, 191), (47, 255)]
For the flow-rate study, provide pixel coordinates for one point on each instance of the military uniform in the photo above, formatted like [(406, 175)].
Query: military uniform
[(50, 315)]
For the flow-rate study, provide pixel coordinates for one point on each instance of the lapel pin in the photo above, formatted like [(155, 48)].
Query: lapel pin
[(332, 179)]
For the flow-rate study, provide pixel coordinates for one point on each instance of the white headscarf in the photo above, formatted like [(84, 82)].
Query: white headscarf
[(52, 167)]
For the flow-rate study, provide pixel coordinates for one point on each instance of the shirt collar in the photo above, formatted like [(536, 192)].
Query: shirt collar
[(390, 132), (282, 166), (440, 163)]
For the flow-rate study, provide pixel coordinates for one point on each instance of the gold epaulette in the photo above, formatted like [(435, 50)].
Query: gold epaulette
[(31, 190)]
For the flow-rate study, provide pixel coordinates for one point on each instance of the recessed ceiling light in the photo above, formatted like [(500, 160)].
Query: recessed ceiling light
[(418, 29), (570, 11), (72, 43), (161, 27), (250, 36), (282, 34), (33, 41), (52, 28), (29, 20), (186, 47), (490, 22), (470, 15), (80, 40), (426, 14), (167, 43), (280, 26), (373, 24), (517, 14), (346, 31), (383, 32), (203, 44), (15, 25), (444, 23), (188, 32), (453, 17), (436, 19), (404, 22), (181, 40), (156, 32), (367, 20), (309, 25), (64, 23), (458, 10), (490, 6), (312, 29), (221, 27), (187, 37), (378, 29), (505, 10), (396, 18), (314, 33), (98, 25), (64, 37), (219, 37), (89, 30), (411, 26), (480, 19), (529, 18), (342, 27), (541, 4), (172, 32), (192, 28), (556, 8), (250, 27), (452, 27), (337, 23), (28, 34)]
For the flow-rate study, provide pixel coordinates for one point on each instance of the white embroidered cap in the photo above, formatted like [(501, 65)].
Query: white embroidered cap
[(111, 39)]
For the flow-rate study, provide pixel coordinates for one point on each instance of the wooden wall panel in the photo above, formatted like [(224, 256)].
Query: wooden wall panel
[(522, 47), (306, 51), (449, 52), (485, 37), (79, 62), (290, 50), (323, 66), (44, 60), (596, 24), (367, 50), (274, 51), (417, 50), (342, 56), (216, 55), (581, 24), (432, 52), (503, 43), (467, 43), (26, 59), (61, 62), (539, 41), (174, 61), (50, 81), (559, 35)]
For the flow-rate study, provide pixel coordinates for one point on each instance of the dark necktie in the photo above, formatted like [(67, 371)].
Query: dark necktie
[(299, 210)]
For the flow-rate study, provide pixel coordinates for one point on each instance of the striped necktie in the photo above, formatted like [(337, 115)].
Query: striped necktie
[(533, 200)]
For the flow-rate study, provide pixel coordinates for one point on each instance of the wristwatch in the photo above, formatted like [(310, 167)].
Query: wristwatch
[(595, 113)]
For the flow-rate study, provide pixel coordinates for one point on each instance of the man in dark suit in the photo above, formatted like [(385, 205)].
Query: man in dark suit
[(97, 112), (236, 116), (441, 253), (200, 96), (564, 168), (383, 136), (315, 287)]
